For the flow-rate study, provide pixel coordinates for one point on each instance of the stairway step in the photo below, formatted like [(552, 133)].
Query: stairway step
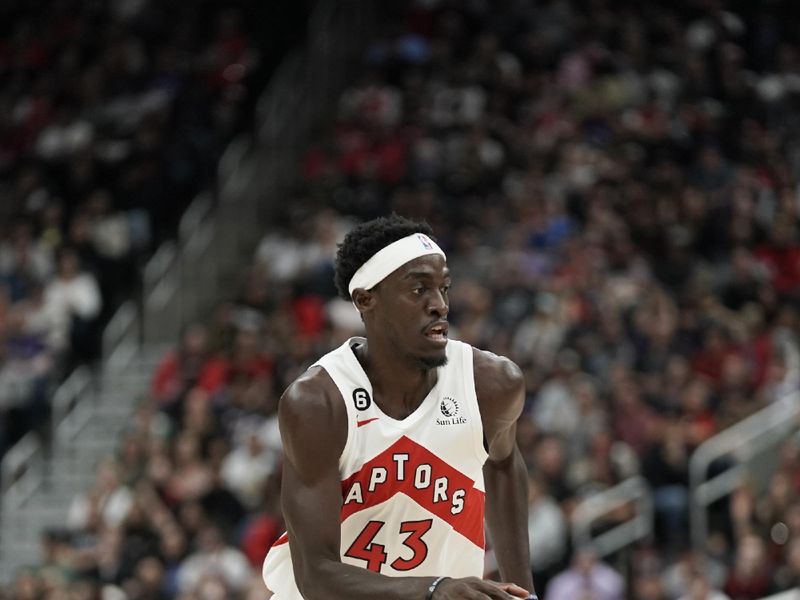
[(71, 464), (69, 485), (18, 556)]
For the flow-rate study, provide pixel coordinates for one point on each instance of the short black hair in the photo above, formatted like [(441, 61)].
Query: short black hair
[(364, 240)]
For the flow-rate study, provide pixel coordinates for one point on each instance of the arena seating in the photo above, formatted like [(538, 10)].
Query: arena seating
[(113, 118), (616, 185)]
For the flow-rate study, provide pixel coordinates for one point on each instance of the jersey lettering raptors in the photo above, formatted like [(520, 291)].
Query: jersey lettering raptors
[(412, 490)]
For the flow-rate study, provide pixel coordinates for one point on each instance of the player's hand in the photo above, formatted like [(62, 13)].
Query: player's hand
[(472, 588), (513, 589)]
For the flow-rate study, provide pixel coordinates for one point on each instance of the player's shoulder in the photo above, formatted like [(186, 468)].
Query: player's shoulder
[(313, 422), (495, 373), (311, 398), (499, 388)]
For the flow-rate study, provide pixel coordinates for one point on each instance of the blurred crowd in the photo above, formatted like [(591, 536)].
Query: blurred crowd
[(112, 118), (617, 187)]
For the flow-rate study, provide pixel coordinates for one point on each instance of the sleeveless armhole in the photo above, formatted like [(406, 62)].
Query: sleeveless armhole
[(477, 423), (349, 410)]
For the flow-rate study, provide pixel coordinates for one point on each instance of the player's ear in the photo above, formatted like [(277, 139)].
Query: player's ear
[(363, 299)]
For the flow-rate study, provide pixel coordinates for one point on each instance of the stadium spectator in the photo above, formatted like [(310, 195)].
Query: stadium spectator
[(666, 467), (587, 577), (73, 300), (211, 560), (681, 578), (191, 364), (699, 589), (788, 576), (547, 532), (749, 577), (107, 504)]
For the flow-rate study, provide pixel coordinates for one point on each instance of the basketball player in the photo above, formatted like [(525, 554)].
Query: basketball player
[(396, 443)]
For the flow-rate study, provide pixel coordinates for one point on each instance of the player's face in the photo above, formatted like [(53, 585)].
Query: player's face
[(412, 309)]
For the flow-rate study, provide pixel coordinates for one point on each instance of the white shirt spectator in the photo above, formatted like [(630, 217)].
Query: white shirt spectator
[(547, 533), (231, 564), (712, 595), (30, 256), (555, 409), (68, 297), (114, 508), (107, 499), (214, 557), (592, 579), (246, 468)]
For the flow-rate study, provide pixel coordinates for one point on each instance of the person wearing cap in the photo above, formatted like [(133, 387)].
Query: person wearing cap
[(400, 445)]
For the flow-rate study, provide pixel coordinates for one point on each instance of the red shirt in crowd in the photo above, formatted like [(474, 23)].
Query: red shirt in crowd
[(173, 375), (784, 263)]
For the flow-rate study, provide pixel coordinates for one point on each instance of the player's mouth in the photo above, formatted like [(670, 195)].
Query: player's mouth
[(437, 332)]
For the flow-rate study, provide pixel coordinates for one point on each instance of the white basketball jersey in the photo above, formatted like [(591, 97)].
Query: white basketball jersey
[(412, 490)]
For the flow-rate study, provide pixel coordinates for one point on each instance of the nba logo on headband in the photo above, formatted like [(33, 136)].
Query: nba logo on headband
[(427, 243), (393, 256)]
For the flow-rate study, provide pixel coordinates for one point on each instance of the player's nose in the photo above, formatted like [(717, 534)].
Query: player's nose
[(438, 305)]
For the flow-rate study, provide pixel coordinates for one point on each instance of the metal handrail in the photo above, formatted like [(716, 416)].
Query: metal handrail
[(121, 326), (16, 459), (232, 157), (787, 595), (160, 281), (158, 265), (271, 109), (68, 399), (201, 237), (743, 441), (198, 211), (634, 489), (21, 472)]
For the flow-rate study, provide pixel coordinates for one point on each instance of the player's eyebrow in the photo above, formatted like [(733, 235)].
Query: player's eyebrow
[(425, 274)]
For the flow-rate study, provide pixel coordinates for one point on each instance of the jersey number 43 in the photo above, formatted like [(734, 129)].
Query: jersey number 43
[(364, 548)]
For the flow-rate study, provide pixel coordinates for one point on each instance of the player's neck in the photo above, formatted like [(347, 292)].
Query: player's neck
[(399, 383)]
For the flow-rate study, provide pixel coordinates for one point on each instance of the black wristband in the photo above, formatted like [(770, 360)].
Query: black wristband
[(432, 588)]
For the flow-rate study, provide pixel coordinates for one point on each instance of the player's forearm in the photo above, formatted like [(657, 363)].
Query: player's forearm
[(507, 516), (333, 580)]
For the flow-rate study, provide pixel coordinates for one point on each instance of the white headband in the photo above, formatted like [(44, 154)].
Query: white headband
[(392, 257)]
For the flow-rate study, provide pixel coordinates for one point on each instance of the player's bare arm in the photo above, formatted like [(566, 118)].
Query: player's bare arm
[(313, 425), (500, 387)]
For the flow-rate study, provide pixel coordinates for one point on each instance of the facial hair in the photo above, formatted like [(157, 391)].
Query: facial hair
[(432, 362)]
